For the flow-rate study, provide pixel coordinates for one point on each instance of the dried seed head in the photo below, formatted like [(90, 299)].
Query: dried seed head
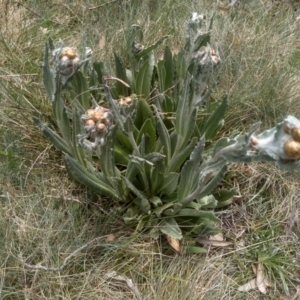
[(105, 121), (137, 48), (89, 123), (107, 118), (65, 65), (207, 52), (253, 141), (215, 57), (69, 52), (65, 60), (76, 61), (292, 149), (296, 134), (101, 127), (128, 100), (90, 113), (125, 101), (98, 115)]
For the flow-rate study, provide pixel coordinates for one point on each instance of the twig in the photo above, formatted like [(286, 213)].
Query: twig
[(100, 5), (108, 77), (18, 75), (169, 89), (31, 167), (40, 267)]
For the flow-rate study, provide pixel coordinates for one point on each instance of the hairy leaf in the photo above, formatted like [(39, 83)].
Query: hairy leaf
[(170, 183), (77, 129), (148, 129), (150, 48), (81, 88), (213, 123), (161, 71), (48, 78), (163, 134), (143, 81), (170, 227), (88, 179), (195, 250), (53, 137), (121, 74), (168, 62), (106, 154)]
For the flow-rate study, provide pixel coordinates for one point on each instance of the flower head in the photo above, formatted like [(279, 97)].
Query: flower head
[(282, 142)]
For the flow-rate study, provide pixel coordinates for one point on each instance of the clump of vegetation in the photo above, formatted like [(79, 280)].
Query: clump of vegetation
[(155, 137)]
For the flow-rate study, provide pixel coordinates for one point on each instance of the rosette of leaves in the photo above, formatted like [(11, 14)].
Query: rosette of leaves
[(152, 151)]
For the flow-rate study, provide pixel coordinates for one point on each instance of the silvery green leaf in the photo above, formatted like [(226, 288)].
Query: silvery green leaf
[(156, 201), (81, 88), (168, 62), (170, 183), (53, 137), (170, 227), (106, 154), (143, 204), (178, 159), (143, 81), (131, 215), (150, 48), (114, 108), (48, 75), (86, 178), (163, 135), (137, 192), (121, 74), (208, 202), (195, 250), (213, 123), (77, 129)]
